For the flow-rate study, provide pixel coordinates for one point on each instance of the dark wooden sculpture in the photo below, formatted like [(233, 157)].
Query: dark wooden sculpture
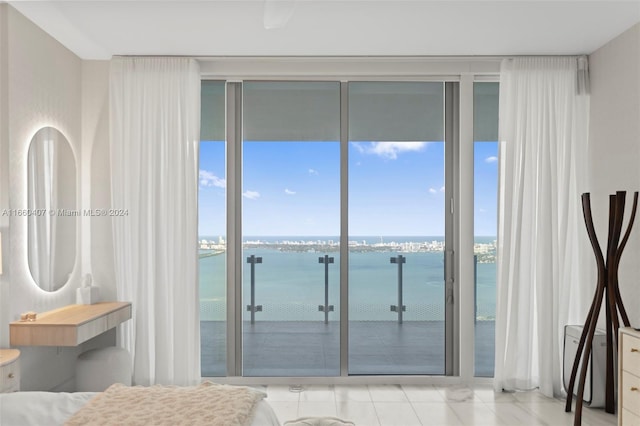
[(607, 289)]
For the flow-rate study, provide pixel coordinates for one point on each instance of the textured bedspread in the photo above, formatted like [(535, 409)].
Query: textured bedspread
[(205, 404)]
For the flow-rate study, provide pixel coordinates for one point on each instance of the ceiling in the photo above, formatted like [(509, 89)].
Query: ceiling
[(100, 29)]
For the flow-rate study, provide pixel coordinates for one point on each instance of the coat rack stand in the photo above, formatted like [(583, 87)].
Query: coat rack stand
[(607, 289)]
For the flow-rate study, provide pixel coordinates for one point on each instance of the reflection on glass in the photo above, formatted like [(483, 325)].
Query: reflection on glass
[(52, 209)]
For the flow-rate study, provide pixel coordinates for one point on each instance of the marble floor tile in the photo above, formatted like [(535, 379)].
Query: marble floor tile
[(387, 393), (361, 413), (317, 409), (281, 393), (476, 414), (422, 393), (514, 414), (598, 417), (457, 393), (436, 414), (396, 414), (549, 413), (533, 396), (317, 393), (285, 410), (425, 405), (352, 393), (487, 394)]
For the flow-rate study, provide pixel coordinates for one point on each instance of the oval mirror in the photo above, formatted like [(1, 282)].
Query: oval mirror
[(52, 211)]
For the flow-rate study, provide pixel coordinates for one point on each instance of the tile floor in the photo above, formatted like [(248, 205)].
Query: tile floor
[(386, 405)]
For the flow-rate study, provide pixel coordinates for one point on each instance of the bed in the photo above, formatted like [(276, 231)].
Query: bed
[(207, 403)]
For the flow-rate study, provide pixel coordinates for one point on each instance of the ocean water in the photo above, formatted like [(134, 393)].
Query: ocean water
[(290, 281)]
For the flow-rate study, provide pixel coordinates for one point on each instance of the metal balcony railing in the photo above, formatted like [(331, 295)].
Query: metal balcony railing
[(326, 308), (253, 308), (400, 307)]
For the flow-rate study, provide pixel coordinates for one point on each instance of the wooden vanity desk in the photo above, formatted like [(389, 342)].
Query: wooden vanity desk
[(70, 325)]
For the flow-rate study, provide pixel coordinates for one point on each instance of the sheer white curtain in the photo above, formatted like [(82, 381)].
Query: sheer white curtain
[(155, 131), (544, 121)]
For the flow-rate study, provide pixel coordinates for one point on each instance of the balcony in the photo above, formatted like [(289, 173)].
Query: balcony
[(308, 348)]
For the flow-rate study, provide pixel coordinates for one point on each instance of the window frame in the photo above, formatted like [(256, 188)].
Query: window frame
[(458, 75)]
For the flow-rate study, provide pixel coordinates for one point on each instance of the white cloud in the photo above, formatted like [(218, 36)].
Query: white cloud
[(442, 189), (208, 179), (289, 192), (491, 159), (252, 195), (360, 146), (313, 172), (432, 191), (389, 150)]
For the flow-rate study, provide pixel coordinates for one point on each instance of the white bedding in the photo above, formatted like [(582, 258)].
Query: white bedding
[(54, 408)]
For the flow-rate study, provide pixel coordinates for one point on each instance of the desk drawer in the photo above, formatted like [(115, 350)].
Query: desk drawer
[(10, 377), (631, 354), (627, 418), (631, 392)]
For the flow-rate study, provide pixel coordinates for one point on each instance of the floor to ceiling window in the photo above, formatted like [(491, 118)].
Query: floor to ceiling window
[(212, 221), (485, 180), (341, 189)]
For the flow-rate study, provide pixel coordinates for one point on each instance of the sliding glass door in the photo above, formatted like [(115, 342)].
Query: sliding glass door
[(327, 219), (291, 228), (396, 228)]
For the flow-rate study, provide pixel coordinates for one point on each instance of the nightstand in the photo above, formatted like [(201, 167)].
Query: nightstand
[(9, 370), (628, 377)]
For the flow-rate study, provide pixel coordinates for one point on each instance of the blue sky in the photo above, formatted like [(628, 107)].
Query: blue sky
[(485, 170), (293, 188)]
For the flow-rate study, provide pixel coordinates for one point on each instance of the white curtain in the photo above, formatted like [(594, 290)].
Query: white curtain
[(155, 131), (542, 282)]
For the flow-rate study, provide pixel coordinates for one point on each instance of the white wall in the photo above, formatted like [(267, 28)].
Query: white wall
[(614, 148), (41, 85), (4, 154), (96, 185)]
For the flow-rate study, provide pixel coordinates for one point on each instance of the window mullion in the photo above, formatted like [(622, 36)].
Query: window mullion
[(465, 275), (451, 168), (234, 229), (344, 229)]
